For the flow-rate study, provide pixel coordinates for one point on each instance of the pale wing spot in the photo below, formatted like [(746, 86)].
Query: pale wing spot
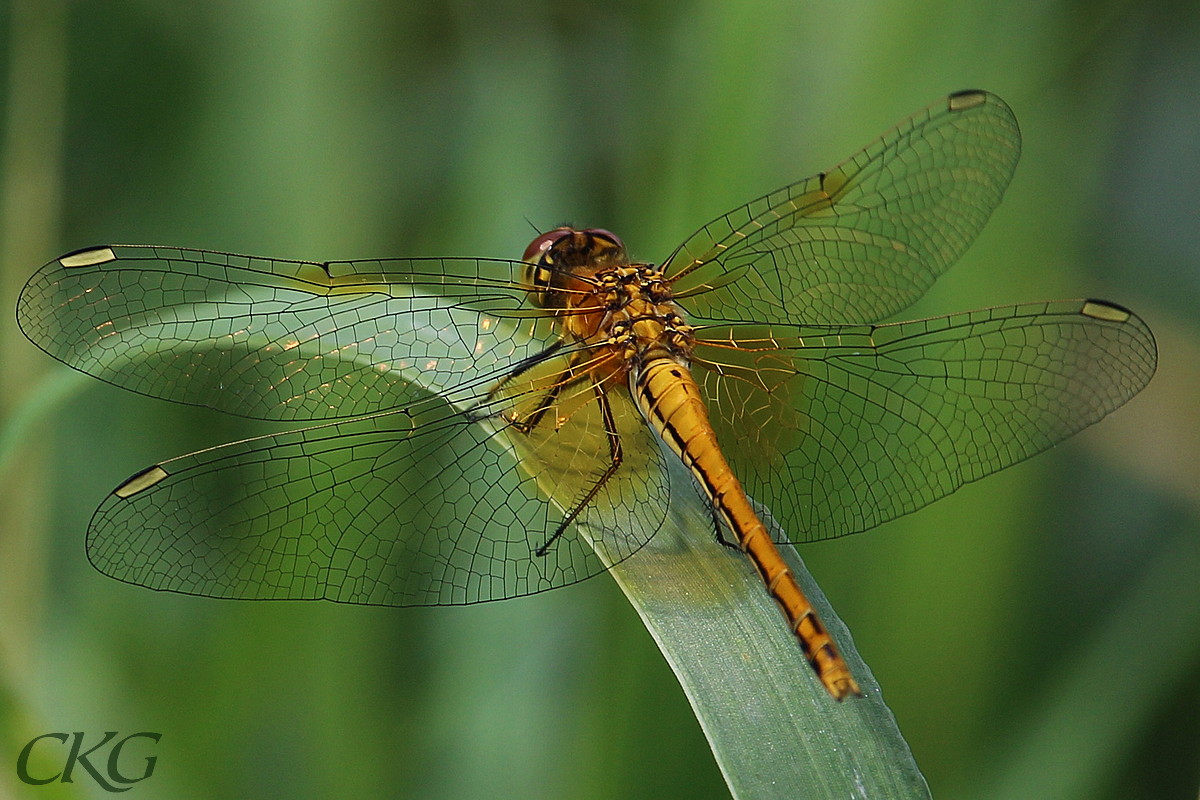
[(88, 258), (1104, 311), (140, 482), (961, 101)]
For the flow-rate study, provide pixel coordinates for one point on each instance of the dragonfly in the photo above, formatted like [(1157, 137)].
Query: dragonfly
[(484, 428)]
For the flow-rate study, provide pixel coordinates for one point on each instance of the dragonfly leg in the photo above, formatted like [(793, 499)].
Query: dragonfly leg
[(616, 457), (568, 377), (475, 415), (720, 534), (526, 364), (562, 381)]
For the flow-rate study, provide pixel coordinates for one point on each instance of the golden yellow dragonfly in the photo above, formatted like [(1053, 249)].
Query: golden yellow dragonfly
[(491, 428)]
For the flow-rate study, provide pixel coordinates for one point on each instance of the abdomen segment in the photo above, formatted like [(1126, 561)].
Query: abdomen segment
[(671, 401)]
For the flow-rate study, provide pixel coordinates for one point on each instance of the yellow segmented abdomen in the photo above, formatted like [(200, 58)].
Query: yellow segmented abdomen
[(668, 396)]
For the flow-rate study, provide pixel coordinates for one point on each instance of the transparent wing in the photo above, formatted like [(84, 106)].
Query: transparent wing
[(282, 340), (865, 239), (837, 429), (423, 506), (418, 496)]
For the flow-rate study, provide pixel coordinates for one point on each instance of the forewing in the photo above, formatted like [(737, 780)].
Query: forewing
[(863, 240), (838, 429), (282, 340)]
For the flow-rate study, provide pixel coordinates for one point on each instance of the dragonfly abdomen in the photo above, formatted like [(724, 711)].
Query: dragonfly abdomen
[(668, 397)]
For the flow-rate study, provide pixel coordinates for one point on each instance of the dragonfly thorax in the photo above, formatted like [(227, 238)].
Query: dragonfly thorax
[(645, 329), (630, 319)]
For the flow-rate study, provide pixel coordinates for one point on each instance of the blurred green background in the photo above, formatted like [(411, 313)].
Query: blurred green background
[(1037, 634)]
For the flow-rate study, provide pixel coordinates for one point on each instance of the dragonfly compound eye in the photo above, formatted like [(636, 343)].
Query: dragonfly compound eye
[(608, 237), (538, 247), (539, 270)]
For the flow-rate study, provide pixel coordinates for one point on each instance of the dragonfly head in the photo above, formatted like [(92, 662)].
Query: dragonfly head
[(561, 262)]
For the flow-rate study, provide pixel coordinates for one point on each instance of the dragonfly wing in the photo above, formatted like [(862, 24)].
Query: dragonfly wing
[(401, 508), (282, 340), (865, 239), (871, 422)]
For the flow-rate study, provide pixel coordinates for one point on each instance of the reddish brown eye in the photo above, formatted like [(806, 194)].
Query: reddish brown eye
[(544, 242), (601, 233)]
